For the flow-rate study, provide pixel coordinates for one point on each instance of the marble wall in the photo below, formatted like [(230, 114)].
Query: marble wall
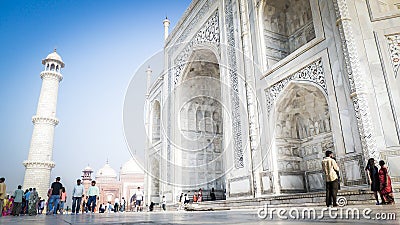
[(200, 124), (308, 59)]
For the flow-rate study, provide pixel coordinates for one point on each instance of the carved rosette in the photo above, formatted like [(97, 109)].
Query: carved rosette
[(394, 51), (51, 75), (208, 33), (356, 80), (313, 73), (46, 120)]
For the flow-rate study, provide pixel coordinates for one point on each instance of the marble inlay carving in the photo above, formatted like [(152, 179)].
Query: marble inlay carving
[(394, 50), (204, 9), (236, 116), (313, 73), (356, 80), (209, 33)]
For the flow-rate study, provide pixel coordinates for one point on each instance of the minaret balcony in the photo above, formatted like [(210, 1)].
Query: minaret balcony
[(39, 119), (37, 164), (51, 74)]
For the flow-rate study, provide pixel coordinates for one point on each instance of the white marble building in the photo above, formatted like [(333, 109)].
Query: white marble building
[(255, 91)]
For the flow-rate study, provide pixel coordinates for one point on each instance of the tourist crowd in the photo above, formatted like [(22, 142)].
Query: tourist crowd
[(29, 202), (379, 180)]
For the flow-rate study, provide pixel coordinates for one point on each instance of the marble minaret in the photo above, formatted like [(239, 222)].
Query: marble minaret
[(166, 23), (40, 158)]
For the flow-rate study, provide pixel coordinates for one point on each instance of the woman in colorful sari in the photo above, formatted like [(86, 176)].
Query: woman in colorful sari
[(385, 184), (10, 205), (33, 198)]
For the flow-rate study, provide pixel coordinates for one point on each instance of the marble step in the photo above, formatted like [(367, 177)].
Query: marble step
[(348, 197)]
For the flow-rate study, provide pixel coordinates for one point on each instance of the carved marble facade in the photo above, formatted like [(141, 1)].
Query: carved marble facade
[(302, 130), (255, 92), (394, 49)]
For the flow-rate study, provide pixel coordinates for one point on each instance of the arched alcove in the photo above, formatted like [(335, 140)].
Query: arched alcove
[(302, 126), (287, 25), (201, 131)]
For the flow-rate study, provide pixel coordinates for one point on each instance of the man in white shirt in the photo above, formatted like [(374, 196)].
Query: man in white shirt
[(77, 194), (329, 167), (92, 192), (139, 199)]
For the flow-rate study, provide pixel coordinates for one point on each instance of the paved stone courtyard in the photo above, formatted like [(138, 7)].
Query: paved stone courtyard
[(247, 216)]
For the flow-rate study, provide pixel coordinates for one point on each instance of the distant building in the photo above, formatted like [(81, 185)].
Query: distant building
[(112, 185), (87, 177)]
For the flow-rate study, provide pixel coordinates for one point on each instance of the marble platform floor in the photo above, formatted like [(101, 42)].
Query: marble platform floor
[(237, 216)]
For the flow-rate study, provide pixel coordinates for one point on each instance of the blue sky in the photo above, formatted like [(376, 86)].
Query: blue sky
[(103, 44)]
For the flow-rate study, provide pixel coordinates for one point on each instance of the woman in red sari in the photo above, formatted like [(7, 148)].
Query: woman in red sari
[(385, 184)]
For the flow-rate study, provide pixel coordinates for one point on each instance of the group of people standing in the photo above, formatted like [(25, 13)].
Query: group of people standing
[(378, 179), (20, 202), (380, 182), (185, 199), (92, 195), (117, 207)]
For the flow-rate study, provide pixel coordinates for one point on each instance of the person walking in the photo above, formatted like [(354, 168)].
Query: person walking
[(85, 205), (2, 194), (186, 199), (123, 205), (164, 203), (200, 196), (63, 199), (385, 184), (139, 199), (180, 203), (8, 206), (109, 207), (54, 196), (195, 197), (373, 178), (212, 195), (92, 192), (27, 195), (41, 206), (77, 194), (33, 198), (18, 195), (329, 167), (116, 205)]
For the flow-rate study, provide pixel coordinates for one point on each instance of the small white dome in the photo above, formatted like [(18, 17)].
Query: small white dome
[(132, 167), (106, 172), (88, 169), (54, 56)]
